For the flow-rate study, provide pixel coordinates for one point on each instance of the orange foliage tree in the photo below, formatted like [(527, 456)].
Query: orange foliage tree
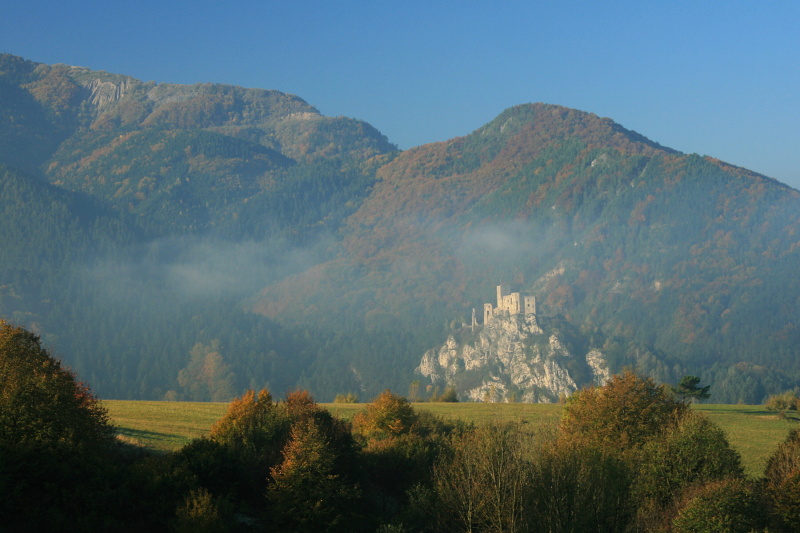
[(387, 415), (623, 413)]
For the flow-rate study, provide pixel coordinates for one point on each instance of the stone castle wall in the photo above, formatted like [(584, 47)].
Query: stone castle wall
[(509, 302)]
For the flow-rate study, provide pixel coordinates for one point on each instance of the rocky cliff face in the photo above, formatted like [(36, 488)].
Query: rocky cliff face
[(513, 357)]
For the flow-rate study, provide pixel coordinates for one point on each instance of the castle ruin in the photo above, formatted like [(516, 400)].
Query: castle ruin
[(509, 302)]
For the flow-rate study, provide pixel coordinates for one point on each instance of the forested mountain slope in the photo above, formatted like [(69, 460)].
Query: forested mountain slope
[(137, 217), (181, 240), (670, 262)]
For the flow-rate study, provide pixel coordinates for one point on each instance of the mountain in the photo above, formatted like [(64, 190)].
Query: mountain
[(671, 263), (137, 217), (148, 226)]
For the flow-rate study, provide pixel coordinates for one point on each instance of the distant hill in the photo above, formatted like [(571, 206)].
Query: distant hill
[(146, 223)]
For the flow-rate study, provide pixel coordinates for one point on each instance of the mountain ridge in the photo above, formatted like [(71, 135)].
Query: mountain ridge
[(320, 256)]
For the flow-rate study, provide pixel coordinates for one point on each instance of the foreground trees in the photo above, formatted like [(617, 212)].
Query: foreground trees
[(290, 465), (624, 413), (54, 438), (622, 458), (41, 402)]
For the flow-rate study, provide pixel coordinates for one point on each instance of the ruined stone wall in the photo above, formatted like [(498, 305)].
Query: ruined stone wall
[(512, 303)]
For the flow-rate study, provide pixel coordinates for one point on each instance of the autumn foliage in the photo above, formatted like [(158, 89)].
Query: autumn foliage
[(388, 415), (624, 412), (41, 402)]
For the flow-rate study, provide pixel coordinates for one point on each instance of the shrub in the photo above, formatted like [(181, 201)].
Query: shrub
[(691, 451), (728, 506), (786, 501), (784, 461), (782, 476), (787, 401), (199, 513)]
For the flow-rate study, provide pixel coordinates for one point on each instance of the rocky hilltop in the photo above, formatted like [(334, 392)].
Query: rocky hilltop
[(513, 357)]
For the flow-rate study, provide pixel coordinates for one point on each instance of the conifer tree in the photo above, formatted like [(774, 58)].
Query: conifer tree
[(689, 390)]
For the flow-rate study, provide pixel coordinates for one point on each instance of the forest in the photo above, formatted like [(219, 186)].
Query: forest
[(626, 456), (145, 223)]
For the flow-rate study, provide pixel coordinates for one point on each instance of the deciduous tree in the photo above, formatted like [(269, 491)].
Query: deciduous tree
[(693, 451), (482, 486), (387, 415), (255, 428), (623, 413), (55, 441), (309, 493), (40, 401), (207, 377)]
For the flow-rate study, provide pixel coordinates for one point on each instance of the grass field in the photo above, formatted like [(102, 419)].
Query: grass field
[(167, 426)]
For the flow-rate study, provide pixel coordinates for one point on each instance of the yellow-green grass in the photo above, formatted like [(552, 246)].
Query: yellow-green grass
[(163, 426), (531, 413), (167, 426), (752, 431)]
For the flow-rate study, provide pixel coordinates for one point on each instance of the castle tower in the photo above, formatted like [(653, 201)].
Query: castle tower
[(487, 313), (511, 303), (530, 304), (502, 290)]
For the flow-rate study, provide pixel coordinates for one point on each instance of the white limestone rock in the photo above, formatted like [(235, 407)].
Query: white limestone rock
[(512, 358)]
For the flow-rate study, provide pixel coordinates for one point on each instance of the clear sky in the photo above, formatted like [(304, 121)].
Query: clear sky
[(719, 78)]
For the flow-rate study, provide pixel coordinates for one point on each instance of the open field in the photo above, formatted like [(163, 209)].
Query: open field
[(166, 426), (163, 426), (752, 430)]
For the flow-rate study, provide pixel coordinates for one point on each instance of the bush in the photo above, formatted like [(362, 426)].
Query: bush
[(782, 476), (199, 513), (787, 401), (387, 415), (692, 451), (784, 461), (729, 506), (786, 502)]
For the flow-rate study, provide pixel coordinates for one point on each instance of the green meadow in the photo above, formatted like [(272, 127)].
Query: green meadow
[(167, 426)]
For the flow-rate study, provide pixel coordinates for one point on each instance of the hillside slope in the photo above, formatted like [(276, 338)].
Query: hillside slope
[(137, 216), (671, 262), (151, 227)]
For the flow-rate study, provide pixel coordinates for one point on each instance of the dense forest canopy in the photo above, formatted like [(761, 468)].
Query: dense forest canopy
[(149, 228)]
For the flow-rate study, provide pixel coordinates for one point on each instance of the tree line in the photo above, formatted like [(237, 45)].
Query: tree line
[(626, 456)]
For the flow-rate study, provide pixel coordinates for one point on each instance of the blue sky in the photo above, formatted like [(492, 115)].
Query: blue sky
[(711, 77)]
